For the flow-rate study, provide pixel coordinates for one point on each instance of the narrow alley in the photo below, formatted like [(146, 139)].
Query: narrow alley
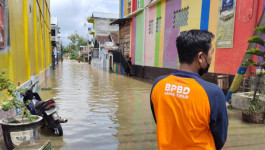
[(107, 111), (104, 110)]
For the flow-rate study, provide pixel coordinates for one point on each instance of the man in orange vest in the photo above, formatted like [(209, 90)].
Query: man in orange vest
[(190, 113)]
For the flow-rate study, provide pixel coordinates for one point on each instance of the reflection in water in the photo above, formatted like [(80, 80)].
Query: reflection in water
[(107, 111), (104, 110)]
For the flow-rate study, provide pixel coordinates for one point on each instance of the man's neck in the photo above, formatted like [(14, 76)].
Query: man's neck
[(188, 67)]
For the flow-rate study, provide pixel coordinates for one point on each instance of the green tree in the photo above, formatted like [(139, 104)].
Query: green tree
[(74, 46), (66, 49), (74, 37), (258, 82), (76, 41), (81, 42)]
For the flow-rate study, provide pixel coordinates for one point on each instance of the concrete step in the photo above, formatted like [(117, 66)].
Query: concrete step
[(38, 145)]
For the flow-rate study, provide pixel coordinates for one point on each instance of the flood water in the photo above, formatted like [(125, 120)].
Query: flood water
[(107, 111)]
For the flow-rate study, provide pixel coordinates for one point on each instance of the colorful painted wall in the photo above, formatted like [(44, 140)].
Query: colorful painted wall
[(242, 31), (139, 42), (149, 46), (133, 34), (170, 53), (29, 52), (158, 49), (117, 68)]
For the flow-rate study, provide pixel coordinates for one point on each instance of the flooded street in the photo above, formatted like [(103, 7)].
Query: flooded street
[(107, 111), (104, 110), (244, 136)]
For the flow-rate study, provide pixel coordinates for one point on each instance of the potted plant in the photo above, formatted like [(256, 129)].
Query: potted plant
[(22, 127), (255, 111)]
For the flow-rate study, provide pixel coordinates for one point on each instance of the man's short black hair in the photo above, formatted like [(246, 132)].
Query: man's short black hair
[(190, 43)]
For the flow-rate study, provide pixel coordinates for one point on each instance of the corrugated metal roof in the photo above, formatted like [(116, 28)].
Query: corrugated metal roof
[(54, 20), (104, 15)]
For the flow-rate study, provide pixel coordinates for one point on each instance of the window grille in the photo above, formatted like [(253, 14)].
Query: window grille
[(129, 7), (158, 24), (138, 4), (181, 17), (151, 26)]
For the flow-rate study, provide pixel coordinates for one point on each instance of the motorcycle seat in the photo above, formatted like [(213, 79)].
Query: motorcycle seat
[(49, 100), (38, 104)]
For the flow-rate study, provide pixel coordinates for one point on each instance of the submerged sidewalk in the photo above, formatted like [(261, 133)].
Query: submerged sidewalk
[(243, 136)]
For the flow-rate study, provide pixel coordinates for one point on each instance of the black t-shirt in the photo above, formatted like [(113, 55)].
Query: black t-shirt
[(129, 63)]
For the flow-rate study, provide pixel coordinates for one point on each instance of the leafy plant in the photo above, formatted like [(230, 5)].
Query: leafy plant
[(258, 92), (7, 90)]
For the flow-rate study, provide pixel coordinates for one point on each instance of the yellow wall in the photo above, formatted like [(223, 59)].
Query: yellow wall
[(194, 18), (125, 7), (161, 44), (213, 21), (27, 54)]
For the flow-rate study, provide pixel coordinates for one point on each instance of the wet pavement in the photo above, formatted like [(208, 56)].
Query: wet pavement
[(244, 136), (107, 111)]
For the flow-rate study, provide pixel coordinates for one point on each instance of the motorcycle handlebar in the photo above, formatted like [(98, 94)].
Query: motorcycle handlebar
[(29, 90), (33, 85)]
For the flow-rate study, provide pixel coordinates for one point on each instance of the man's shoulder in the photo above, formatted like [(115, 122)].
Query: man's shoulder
[(208, 86), (213, 91), (159, 79)]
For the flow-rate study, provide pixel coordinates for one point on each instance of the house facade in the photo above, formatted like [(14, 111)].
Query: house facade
[(25, 42), (155, 25)]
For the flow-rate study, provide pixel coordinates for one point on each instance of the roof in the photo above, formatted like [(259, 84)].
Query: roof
[(109, 48), (103, 38), (104, 15), (114, 37), (121, 21)]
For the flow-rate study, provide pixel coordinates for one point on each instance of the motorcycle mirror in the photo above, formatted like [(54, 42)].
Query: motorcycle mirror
[(32, 78)]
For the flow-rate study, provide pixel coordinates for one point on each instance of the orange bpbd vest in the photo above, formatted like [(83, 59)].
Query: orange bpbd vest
[(182, 113)]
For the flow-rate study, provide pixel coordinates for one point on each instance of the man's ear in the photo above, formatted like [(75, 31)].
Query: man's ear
[(199, 57)]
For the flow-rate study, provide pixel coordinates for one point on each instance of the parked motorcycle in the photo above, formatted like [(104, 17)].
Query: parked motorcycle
[(47, 109)]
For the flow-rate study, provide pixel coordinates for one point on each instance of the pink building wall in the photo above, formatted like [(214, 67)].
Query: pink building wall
[(149, 53), (171, 34)]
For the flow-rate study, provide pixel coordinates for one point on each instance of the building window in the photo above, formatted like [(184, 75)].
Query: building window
[(53, 32), (158, 24), (151, 26), (129, 7), (138, 4), (181, 17)]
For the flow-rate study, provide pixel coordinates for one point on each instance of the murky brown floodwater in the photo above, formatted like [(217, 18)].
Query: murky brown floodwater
[(107, 111)]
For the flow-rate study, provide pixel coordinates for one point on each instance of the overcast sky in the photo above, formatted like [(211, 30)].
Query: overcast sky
[(72, 14)]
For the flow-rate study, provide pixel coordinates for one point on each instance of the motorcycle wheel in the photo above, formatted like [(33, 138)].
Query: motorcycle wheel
[(57, 128)]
